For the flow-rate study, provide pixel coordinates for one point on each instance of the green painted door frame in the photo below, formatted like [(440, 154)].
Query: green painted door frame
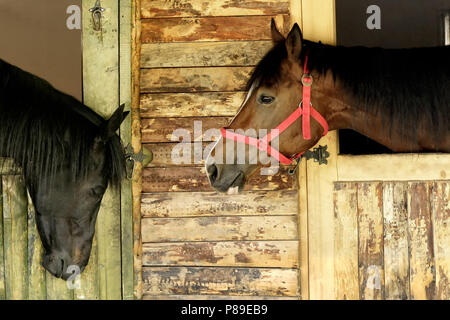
[(106, 85)]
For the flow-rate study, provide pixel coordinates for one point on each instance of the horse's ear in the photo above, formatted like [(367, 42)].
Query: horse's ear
[(276, 35), (294, 42), (111, 125)]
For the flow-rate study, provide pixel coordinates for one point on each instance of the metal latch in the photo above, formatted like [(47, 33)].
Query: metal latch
[(144, 157), (97, 11)]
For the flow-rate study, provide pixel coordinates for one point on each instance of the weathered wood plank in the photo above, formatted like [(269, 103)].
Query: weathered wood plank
[(89, 279), (214, 297), (196, 8), (422, 273), (319, 23), (370, 222), (402, 167), (441, 232), (126, 214), (108, 240), (273, 254), (136, 185), (219, 228), (57, 288), (220, 281), (15, 237), (37, 289), (101, 85), (175, 154), (396, 256), (194, 79), (303, 234), (203, 54), (2, 247), (210, 28), (164, 130), (188, 204), (346, 241), (162, 154), (202, 104), (195, 179), (422, 270)]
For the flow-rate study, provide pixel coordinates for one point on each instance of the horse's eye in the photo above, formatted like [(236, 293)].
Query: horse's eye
[(266, 99)]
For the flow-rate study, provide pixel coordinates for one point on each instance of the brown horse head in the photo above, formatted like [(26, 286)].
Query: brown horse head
[(274, 92), (371, 90)]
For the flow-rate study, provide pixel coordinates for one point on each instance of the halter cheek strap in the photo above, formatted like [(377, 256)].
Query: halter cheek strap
[(307, 83), (304, 108)]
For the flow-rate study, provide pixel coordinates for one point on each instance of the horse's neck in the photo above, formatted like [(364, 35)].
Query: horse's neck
[(337, 107)]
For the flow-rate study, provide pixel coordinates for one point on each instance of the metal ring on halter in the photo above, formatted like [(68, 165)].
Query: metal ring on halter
[(301, 103), (304, 76), (292, 168)]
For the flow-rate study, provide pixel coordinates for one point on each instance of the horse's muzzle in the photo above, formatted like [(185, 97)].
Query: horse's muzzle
[(58, 264)]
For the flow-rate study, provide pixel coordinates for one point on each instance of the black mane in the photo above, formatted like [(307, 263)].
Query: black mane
[(42, 128), (405, 86)]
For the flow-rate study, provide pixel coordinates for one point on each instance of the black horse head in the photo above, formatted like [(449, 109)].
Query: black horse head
[(67, 204), (68, 155)]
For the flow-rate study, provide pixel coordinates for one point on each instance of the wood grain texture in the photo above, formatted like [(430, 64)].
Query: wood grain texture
[(441, 237), (210, 28), (199, 8), (370, 222), (125, 96), (195, 179), (57, 288), (191, 204), (194, 79), (136, 143), (101, 89), (202, 104), (346, 241), (303, 234), (182, 129), (89, 279), (245, 228), (402, 167), (214, 297), (203, 54), (422, 268), (396, 256), (193, 153), (274, 254), (37, 289), (319, 23), (220, 281), (15, 235), (2, 255)]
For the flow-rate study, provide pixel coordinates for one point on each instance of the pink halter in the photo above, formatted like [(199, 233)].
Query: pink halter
[(304, 108)]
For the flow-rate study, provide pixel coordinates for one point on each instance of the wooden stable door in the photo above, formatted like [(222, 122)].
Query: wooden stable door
[(374, 226), (106, 85)]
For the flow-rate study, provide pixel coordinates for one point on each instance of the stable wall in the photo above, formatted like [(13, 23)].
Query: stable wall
[(196, 58)]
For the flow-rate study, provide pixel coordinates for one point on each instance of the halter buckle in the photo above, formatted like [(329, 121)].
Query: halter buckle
[(307, 76)]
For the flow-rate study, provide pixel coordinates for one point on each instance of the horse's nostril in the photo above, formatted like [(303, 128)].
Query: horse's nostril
[(212, 172)]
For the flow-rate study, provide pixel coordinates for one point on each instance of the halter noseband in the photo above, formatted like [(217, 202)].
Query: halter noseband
[(305, 108)]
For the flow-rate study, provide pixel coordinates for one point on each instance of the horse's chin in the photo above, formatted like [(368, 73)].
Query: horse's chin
[(231, 186)]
